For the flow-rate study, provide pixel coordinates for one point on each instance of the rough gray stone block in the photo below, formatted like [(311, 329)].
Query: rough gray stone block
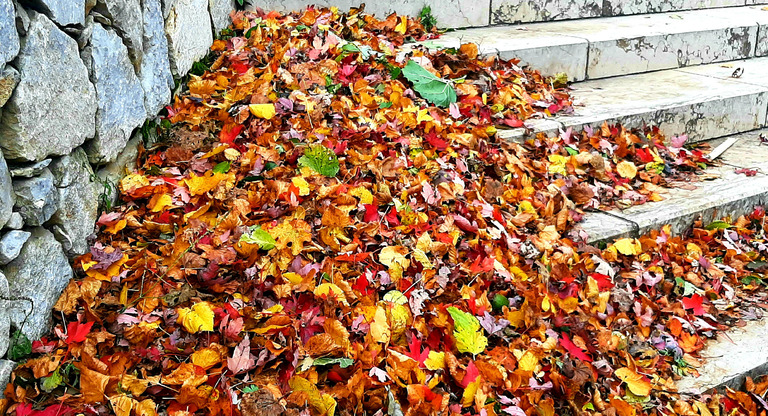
[(36, 198), (188, 28), (52, 109), (117, 169), (155, 70), (78, 208), (40, 272), (28, 170), (622, 7), (515, 11), (126, 18), (9, 38), (63, 12), (9, 78), (7, 197), (11, 244), (15, 221), (120, 98), (6, 368)]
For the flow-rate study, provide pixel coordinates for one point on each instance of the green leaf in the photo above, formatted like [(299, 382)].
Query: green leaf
[(51, 382), (385, 104), (717, 225), (467, 331), (20, 346), (342, 362), (320, 159), (259, 237), (222, 167), (499, 301), (433, 89), (571, 151), (250, 389)]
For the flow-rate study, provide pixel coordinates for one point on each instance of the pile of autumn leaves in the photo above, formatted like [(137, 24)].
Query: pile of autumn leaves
[(334, 225)]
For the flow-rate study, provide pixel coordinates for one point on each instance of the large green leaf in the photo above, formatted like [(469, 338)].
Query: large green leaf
[(320, 159), (20, 346), (259, 237), (433, 89), (469, 336)]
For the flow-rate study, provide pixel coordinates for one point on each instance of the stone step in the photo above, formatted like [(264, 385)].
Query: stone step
[(612, 46), (704, 102)]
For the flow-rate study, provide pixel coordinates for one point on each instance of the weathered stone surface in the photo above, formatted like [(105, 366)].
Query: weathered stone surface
[(9, 38), (622, 7), (63, 12), (220, 10), (5, 321), (40, 272), (6, 368), (9, 78), (28, 170), (22, 19), (549, 53), (120, 98), (449, 13), (126, 18), (52, 109), (10, 246), (36, 198), (155, 70), (15, 221), (7, 197), (78, 207), (188, 27), (515, 11), (762, 41), (117, 169)]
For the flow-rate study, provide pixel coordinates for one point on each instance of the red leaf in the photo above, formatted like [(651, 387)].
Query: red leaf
[(695, 303), (573, 349), (76, 332), (472, 373)]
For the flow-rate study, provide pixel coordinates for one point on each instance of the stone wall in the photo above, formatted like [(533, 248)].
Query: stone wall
[(77, 80)]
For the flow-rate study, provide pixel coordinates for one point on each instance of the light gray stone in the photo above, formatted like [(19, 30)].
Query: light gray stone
[(11, 244), (36, 198), (762, 41), (449, 13), (220, 10), (40, 272), (53, 108), (126, 18), (120, 98), (7, 197), (78, 208), (15, 221), (188, 28), (22, 19), (29, 170), (117, 169), (9, 79), (623, 7), (6, 368), (63, 12), (515, 11), (155, 71), (5, 320), (9, 38)]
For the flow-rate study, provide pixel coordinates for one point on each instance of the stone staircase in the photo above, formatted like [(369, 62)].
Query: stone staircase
[(690, 67)]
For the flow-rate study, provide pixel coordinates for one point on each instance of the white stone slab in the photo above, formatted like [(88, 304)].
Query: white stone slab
[(515, 11), (449, 13), (625, 7), (549, 53)]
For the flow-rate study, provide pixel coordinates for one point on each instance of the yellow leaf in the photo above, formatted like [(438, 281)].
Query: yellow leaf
[(302, 184), (626, 169), (122, 405), (435, 360), (133, 181), (394, 255), (331, 290), (361, 192), (528, 361), (558, 164), (402, 26), (146, 408), (198, 318), (469, 393), (380, 326), (206, 357), (324, 404), (628, 246), (159, 202), (198, 185), (266, 111), (422, 258), (638, 384)]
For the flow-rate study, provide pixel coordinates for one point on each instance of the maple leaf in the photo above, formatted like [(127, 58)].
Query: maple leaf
[(320, 159), (198, 318), (695, 303), (242, 360), (573, 349), (638, 384), (76, 332)]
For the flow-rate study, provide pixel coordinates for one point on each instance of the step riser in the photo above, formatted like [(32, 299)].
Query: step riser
[(601, 48)]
